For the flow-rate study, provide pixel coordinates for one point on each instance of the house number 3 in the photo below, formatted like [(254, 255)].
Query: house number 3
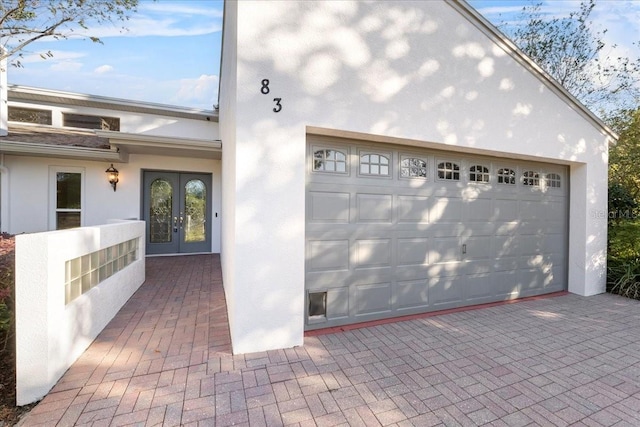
[(265, 90)]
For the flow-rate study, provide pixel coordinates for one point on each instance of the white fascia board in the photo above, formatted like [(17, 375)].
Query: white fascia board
[(61, 151), (516, 53), (123, 137), (140, 143)]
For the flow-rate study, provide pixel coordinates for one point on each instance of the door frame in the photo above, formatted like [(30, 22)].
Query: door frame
[(178, 247)]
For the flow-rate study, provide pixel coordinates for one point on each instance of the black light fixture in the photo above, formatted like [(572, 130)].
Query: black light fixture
[(112, 176)]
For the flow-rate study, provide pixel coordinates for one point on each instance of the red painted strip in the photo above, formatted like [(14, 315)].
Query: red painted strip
[(343, 328)]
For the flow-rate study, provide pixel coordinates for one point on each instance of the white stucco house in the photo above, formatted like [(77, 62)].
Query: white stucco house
[(369, 160)]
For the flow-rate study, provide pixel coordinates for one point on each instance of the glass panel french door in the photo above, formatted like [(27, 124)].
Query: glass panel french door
[(176, 209)]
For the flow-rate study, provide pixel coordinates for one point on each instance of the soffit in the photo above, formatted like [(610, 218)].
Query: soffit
[(163, 145)]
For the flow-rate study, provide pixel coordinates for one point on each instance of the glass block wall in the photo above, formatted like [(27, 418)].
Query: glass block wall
[(87, 271)]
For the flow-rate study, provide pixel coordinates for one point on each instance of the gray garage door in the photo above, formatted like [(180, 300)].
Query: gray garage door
[(392, 231)]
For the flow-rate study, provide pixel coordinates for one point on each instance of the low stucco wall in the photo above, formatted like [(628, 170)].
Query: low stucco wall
[(52, 334)]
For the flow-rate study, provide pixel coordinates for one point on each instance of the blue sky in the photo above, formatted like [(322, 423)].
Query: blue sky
[(171, 53)]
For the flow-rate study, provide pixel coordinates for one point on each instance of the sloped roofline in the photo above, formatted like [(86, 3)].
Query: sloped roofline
[(516, 53), (28, 93)]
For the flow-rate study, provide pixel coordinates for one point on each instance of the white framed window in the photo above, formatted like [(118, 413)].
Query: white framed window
[(553, 180), (413, 167), (531, 178), (85, 121), (329, 160), (375, 164), (448, 171), (479, 173), (506, 176), (66, 186), (29, 115)]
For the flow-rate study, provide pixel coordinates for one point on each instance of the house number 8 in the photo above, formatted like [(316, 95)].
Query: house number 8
[(264, 89), (265, 86)]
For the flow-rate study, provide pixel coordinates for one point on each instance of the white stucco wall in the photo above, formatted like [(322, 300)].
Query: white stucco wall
[(29, 196), (416, 71), (227, 105), (51, 335)]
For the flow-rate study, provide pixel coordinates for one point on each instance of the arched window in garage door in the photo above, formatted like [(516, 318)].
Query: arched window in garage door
[(327, 160), (506, 176), (553, 180), (413, 167), (479, 173), (449, 171), (374, 164), (531, 178)]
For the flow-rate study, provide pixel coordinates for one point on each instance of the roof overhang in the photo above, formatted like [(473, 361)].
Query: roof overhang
[(62, 151), (131, 143), (56, 97)]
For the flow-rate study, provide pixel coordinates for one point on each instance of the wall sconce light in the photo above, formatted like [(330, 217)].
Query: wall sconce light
[(112, 176)]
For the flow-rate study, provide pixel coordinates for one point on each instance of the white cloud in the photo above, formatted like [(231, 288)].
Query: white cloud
[(203, 88), (103, 69), (66, 66), (58, 56), (210, 9), (169, 19), (146, 26), (494, 10)]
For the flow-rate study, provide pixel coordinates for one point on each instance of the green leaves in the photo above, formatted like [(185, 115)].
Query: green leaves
[(24, 21), (7, 291), (624, 155), (574, 53)]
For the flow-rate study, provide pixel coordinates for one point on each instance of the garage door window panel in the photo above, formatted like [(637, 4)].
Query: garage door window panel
[(448, 171), (553, 180), (413, 167), (375, 164), (531, 179), (329, 160), (506, 176), (479, 173)]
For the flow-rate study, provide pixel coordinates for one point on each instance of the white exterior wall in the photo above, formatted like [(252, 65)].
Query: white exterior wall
[(50, 335), (30, 198), (227, 105), (414, 71)]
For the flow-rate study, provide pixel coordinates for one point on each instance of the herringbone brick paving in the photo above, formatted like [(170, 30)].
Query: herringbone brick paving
[(165, 360)]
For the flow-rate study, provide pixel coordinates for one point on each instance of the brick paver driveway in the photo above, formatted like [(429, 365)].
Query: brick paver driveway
[(165, 360)]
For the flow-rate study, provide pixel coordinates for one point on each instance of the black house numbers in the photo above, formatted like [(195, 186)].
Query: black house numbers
[(265, 91)]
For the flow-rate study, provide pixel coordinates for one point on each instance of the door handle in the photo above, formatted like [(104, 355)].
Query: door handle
[(464, 248), (181, 221), (175, 224)]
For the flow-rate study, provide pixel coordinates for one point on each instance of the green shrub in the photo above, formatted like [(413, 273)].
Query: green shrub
[(623, 261), (7, 262), (624, 279), (622, 205)]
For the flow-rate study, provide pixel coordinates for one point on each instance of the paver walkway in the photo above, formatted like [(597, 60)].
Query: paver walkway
[(165, 360)]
